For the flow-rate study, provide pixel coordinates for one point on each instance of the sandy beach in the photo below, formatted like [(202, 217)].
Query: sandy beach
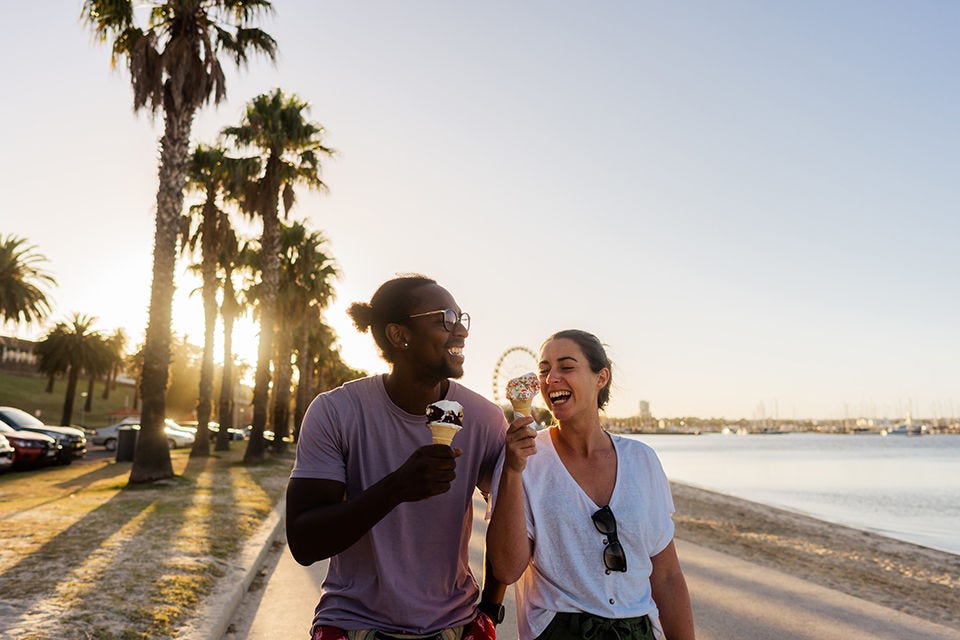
[(915, 580)]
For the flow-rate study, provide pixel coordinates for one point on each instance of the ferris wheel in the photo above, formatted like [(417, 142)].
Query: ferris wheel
[(514, 362)]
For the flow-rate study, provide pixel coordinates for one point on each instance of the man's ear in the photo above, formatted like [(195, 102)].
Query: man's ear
[(398, 336)]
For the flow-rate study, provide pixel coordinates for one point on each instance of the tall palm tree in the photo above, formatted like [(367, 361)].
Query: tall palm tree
[(276, 128), (174, 68), (306, 289), (22, 281), (215, 176), (72, 347), (233, 304)]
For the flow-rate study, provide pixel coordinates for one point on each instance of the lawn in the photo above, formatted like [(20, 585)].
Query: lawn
[(85, 556), (28, 392)]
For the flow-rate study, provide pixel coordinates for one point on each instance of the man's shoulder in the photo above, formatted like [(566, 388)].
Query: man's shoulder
[(353, 388)]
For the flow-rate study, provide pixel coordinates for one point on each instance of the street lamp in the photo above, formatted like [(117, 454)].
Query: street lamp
[(83, 407)]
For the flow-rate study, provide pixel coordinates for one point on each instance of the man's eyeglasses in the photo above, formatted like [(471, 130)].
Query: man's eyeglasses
[(450, 318), (613, 556)]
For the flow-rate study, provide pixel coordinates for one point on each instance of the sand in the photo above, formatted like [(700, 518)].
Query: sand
[(922, 582)]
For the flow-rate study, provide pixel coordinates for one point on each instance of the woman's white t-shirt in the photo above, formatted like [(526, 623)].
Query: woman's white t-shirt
[(567, 572)]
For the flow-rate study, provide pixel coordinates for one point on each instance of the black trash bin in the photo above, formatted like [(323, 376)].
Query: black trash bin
[(127, 442)]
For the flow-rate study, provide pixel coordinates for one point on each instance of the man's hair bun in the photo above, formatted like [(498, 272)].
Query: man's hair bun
[(362, 315)]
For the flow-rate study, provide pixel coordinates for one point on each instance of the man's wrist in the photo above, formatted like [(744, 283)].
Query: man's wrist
[(492, 610)]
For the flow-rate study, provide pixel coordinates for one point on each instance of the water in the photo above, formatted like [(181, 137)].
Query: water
[(901, 487)]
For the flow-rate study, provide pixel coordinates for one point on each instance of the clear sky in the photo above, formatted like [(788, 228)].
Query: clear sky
[(754, 204)]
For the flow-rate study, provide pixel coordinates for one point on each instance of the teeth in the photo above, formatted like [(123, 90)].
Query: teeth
[(457, 351), (557, 395)]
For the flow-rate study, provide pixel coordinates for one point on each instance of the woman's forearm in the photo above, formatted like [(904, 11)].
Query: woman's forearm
[(508, 547)]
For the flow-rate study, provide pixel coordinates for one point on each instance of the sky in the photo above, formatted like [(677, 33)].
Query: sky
[(754, 205)]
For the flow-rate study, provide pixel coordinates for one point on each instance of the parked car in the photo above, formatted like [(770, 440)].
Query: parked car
[(213, 428), (72, 441), (176, 435), (6, 453), (30, 447)]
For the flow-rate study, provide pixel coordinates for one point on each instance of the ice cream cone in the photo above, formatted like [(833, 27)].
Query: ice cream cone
[(520, 393), (522, 408), (443, 432), (444, 419)]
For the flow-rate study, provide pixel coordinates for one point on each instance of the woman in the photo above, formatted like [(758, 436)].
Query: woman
[(584, 524)]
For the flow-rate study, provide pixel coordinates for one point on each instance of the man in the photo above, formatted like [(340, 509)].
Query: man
[(393, 512)]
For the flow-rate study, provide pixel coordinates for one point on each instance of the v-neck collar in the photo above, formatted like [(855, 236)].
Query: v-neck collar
[(616, 481)]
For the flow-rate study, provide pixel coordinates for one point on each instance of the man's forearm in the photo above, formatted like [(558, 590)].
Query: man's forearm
[(321, 532)]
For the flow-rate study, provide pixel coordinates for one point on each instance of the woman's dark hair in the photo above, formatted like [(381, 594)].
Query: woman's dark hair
[(596, 357), (392, 302)]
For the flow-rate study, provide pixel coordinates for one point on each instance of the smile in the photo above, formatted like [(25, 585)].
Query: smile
[(559, 397), (456, 352)]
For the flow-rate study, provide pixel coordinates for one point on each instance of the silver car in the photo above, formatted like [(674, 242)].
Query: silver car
[(107, 436)]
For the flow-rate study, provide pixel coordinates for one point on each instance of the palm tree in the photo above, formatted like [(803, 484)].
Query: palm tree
[(117, 343), (290, 147), (213, 174), (174, 68), (306, 289), (320, 339), (72, 348), (232, 260), (22, 281)]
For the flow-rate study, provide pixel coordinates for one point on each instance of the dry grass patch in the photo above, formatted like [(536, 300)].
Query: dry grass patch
[(85, 556)]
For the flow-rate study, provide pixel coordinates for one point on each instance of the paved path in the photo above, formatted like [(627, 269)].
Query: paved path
[(731, 598)]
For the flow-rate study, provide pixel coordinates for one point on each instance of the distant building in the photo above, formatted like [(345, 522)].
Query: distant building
[(17, 355), (644, 409)]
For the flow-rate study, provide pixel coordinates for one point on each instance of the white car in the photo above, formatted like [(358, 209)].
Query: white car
[(107, 436)]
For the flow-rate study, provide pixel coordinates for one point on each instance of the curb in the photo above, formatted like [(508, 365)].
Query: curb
[(218, 609)]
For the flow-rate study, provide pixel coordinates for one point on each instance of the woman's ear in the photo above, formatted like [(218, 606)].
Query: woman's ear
[(397, 335), (603, 378)]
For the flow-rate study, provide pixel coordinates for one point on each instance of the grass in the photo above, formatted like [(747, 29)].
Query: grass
[(27, 392), (85, 556)]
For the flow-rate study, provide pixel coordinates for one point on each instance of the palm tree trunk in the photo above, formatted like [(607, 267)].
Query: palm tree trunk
[(88, 401), (109, 383), (151, 461), (73, 376), (305, 369), (50, 380), (270, 249), (201, 446), (229, 313), (281, 388)]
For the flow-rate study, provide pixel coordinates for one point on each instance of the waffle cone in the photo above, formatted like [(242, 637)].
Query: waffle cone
[(443, 432)]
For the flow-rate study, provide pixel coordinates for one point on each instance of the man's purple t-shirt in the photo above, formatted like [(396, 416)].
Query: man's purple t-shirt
[(410, 572)]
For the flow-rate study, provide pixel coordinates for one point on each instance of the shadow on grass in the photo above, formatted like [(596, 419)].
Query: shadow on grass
[(37, 574), (104, 472), (149, 554), (263, 473)]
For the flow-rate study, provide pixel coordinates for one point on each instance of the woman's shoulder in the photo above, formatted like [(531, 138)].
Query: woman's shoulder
[(633, 447)]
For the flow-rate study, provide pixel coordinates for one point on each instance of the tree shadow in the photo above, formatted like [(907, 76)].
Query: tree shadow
[(103, 472)]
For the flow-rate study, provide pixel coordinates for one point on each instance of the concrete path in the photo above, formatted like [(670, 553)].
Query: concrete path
[(732, 598)]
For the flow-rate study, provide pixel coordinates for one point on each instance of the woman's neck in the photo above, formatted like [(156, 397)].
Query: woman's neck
[(582, 436)]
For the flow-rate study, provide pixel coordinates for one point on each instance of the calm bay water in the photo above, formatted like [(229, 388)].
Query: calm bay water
[(906, 488)]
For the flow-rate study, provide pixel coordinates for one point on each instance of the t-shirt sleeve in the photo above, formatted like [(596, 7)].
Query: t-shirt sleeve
[(320, 451), (497, 424), (663, 504)]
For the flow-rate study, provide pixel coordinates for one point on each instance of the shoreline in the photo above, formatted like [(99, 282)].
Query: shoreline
[(916, 580)]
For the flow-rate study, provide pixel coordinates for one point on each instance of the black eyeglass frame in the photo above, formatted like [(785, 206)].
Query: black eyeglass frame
[(451, 318), (614, 557)]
